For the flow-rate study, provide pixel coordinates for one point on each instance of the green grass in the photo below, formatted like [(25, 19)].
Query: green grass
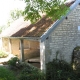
[(6, 74)]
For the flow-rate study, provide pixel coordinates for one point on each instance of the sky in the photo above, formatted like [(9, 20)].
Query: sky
[(6, 6)]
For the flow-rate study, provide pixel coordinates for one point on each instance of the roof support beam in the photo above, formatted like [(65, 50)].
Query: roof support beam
[(42, 56), (21, 50), (10, 47), (28, 38)]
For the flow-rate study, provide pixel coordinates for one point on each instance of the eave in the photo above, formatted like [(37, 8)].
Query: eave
[(28, 38)]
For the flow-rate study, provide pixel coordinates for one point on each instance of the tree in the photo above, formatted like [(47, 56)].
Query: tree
[(14, 15), (2, 27), (52, 8)]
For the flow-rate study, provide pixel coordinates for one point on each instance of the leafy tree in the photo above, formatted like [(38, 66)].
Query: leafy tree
[(52, 8), (2, 27), (14, 15)]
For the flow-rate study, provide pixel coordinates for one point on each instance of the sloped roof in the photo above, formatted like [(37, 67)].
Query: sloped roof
[(21, 28), (15, 27)]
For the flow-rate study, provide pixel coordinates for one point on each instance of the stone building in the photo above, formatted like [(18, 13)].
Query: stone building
[(52, 37), (62, 37)]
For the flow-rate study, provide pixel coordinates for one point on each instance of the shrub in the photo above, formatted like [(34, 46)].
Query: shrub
[(5, 74), (13, 62), (3, 54), (60, 70), (31, 73)]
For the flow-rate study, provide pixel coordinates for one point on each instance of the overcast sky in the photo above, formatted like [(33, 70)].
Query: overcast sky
[(6, 6)]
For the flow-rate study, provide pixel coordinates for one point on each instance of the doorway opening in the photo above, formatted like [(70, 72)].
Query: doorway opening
[(76, 58)]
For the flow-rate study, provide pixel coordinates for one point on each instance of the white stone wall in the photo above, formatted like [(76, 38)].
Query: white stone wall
[(65, 37)]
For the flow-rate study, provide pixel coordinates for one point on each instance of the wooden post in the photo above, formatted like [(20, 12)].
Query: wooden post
[(21, 50), (10, 46), (42, 56)]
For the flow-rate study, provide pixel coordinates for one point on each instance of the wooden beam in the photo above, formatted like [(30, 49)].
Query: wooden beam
[(42, 56), (21, 50), (10, 46), (27, 38)]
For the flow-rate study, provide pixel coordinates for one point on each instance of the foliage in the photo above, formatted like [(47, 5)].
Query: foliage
[(5, 74), (13, 62), (60, 70), (31, 73), (3, 54), (14, 15), (52, 8), (2, 27), (77, 48)]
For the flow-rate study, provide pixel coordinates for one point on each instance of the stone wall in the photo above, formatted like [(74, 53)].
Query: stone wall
[(65, 37), (5, 44), (15, 47), (31, 49)]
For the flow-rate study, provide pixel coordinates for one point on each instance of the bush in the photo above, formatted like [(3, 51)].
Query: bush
[(60, 70), (5, 74), (13, 62), (3, 54), (31, 73)]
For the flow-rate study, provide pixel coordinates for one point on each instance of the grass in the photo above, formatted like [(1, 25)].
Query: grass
[(6, 74)]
